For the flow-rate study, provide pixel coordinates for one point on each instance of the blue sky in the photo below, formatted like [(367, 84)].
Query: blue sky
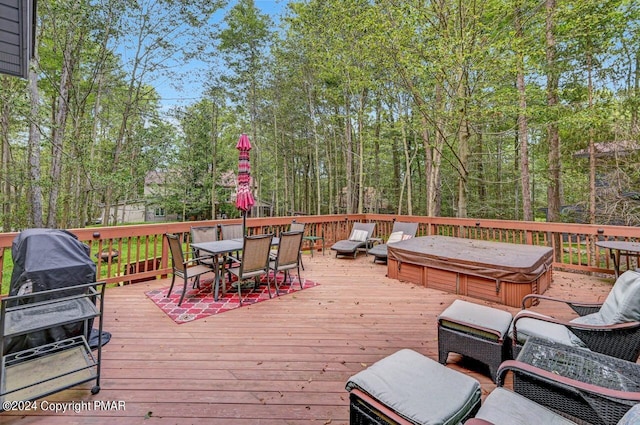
[(191, 91)]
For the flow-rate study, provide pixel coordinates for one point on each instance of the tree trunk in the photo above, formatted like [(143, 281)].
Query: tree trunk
[(33, 149), (407, 173), (361, 188), (316, 147), (434, 158), (348, 140), (376, 146), (214, 156), (592, 146), (463, 149), (59, 125), (523, 136), (553, 138), (5, 157), (635, 121)]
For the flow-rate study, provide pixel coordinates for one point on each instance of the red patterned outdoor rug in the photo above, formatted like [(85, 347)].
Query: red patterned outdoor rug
[(199, 303)]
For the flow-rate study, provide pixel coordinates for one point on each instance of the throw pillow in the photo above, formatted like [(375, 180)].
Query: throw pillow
[(405, 237), (395, 237), (358, 235)]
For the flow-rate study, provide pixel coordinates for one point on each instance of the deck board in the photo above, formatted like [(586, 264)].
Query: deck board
[(283, 361)]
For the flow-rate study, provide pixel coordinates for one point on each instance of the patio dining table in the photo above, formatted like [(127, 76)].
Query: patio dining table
[(219, 248), (618, 249)]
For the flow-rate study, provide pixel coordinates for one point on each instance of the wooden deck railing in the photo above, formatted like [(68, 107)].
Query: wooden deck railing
[(142, 253)]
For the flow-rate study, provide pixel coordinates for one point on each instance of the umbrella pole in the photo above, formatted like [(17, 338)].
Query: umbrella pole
[(244, 223)]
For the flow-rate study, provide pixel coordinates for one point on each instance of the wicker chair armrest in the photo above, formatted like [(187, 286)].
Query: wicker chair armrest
[(549, 319), (563, 381), (582, 308)]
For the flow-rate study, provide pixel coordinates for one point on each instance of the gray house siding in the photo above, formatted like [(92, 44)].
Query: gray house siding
[(17, 18)]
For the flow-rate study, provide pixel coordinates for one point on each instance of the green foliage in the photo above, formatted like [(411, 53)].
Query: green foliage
[(351, 105)]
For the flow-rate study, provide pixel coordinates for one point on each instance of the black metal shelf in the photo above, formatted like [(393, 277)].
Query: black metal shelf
[(38, 371)]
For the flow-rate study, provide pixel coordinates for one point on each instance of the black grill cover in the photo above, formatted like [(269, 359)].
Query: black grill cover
[(45, 259)]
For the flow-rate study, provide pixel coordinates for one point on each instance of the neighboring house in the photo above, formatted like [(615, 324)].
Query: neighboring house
[(616, 191), (149, 209), (155, 187), (229, 180), (610, 149), (130, 212), (146, 209), (373, 200)]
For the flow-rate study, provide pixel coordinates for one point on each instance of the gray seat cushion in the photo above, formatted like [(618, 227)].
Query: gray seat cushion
[(506, 407), (379, 251), (347, 246), (528, 327), (472, 318), (418, 388), (632, 417)]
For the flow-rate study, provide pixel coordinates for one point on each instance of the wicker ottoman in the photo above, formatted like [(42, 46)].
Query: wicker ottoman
[(409, 388), (475, 331)]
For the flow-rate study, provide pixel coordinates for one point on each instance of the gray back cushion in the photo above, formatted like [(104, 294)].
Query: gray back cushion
[(623, 302)]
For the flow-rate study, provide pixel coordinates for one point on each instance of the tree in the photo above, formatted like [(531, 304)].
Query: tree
[(11, 101), (243, 45), (523, 131), (553, 138), (592, 30), (156, 31)]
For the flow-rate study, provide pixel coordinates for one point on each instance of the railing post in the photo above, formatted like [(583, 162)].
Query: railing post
[(529, 237), (164, 262)]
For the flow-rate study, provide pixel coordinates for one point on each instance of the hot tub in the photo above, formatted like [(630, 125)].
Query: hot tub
[(493, 271)]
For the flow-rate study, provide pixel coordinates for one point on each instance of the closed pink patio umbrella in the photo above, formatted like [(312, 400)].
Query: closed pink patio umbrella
[(244, 197)]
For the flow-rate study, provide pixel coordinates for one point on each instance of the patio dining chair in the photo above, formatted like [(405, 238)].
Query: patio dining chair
[(611, 328), (287, 258), (184, 269), (360, 238), (254, 262), (298, 227), (204, 234), (231, 231)]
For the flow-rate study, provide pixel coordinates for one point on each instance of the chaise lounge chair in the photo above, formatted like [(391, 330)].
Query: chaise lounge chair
[(359, 239), (400, 231)]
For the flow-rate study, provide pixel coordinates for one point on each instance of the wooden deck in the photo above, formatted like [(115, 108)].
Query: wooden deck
[(283, 361)]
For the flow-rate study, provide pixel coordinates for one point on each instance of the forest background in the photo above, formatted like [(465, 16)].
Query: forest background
[(512, 109)]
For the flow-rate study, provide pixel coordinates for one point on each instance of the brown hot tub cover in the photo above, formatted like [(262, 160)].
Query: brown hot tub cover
[(499, 261)]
